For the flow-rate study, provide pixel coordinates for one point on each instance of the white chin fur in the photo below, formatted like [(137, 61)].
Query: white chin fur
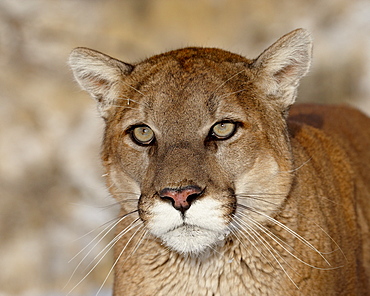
[(191, 240), (202, 227)]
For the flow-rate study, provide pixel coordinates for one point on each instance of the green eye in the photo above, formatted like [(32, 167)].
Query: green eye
[(143, 135), (223, 130)]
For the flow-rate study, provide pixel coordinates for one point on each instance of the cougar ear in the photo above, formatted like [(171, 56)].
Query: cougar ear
[(281, 66), (99, 75)]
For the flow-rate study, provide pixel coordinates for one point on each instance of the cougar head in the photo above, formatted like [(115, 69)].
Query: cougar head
[(195, 135)]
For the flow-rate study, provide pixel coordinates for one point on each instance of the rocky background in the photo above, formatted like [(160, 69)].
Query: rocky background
[(52, 195)]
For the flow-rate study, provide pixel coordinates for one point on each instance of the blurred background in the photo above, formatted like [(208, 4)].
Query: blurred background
[(52, 196)]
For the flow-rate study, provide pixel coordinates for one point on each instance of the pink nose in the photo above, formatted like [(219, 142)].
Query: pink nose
[(181, 198)]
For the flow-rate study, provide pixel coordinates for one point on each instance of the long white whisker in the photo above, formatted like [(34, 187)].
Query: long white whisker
[(127, 192), (258, 197), (110, 227), (303, 240), (295, 234), (299, 167), (281, 242), (126, 107), (109, 223), (138, 243), (247, 229), (223, 83), (135, 89), (338, 247), (269, 248), (129, 100), (231, 93), (119, 257), (109, 247), (216, 251)]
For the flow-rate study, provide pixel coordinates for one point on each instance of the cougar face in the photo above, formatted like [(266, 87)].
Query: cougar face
[(178, 148)]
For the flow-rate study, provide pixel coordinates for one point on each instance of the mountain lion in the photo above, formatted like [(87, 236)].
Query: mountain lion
[(224, 187)]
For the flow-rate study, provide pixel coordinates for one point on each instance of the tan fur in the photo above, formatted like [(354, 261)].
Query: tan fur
[(284, 207)]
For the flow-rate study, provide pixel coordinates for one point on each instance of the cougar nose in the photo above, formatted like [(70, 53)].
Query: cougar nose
[(181, 198)]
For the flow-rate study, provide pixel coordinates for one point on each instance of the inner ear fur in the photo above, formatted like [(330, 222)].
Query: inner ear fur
[(98, 74), (281, 66)]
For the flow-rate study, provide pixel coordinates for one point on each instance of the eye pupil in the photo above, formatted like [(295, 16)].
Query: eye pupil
[(143, 135)]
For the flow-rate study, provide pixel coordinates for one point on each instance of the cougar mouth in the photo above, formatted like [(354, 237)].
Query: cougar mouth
[(201, 227)]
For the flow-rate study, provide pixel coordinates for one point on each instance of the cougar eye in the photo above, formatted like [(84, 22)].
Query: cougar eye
[(142, 135), (223, 130)]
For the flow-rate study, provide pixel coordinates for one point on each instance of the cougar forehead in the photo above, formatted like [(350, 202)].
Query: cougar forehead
[(185, 81)]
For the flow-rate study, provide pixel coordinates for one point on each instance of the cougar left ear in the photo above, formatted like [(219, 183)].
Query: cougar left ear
[(281, 66), (99, 75)]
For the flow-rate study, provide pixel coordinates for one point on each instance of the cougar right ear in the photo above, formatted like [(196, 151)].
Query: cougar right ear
[(99, 75), (283, 64)]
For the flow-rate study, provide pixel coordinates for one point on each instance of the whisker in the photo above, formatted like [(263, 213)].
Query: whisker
[(128, 200), (259, 197), (110, 226), (126, 107), (129, 100), (124, 201), (138, 243), (223, 83), (255, 197), (290, 231), (91, 231), (119, 257), (280, 242), (109, 247), (127, 192), (216, 251), (299, 167), (135, 89), (270, 249), (334, 242), (260, 194), (248, 238), (75, 256), (231, 93), (268, 232)]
